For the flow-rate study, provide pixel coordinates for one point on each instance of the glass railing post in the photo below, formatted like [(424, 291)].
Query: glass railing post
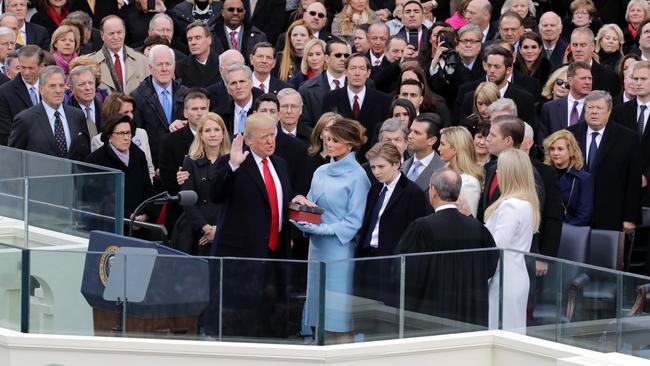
[(501, 258), (619, 310), (26, 212), (25, 291), (320, 331), (402, 288), (119, 206), (220, 299), (558, 302)]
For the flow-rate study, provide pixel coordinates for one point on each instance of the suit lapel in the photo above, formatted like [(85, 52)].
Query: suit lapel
[(606, 143), (21, 91), (397, 193), (152, 99), (252, 169), (343, 102), (44, 123), (284, 181)]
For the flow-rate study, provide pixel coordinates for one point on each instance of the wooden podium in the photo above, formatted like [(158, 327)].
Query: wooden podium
[(166, 291)]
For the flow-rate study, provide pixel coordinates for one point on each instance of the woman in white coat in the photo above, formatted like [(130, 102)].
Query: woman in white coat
[(457, 149), (512, 219)]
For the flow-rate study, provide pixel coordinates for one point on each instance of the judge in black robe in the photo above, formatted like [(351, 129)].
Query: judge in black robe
[(449, 286)]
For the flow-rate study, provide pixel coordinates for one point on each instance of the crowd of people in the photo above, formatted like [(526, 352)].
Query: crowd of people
[(416, 127)]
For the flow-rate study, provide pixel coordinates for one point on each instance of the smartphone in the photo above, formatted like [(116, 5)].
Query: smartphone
[(151, 5)]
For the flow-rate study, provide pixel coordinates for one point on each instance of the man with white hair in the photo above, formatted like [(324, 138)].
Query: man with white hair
[(159, 98), (583, 46), (162, 25), (218, 92), (290, 111), (550, 28), (316, 17), (7, 44), (238, 79), (479, 13)]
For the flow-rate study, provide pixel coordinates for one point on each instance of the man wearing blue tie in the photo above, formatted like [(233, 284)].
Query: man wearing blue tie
[(239, 83), (612, 154), (159, 98)]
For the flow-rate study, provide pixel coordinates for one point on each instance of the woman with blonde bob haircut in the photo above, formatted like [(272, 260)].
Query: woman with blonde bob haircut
[(609, 45), (485, 94), (512, 220), (313, 62), (64, 46), (563, 153), (457, 149), (196, 227)]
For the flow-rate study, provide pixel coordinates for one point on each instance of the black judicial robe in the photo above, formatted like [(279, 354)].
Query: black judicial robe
[(450, 286)]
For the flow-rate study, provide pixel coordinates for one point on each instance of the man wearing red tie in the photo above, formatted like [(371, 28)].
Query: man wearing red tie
[(253, 185)]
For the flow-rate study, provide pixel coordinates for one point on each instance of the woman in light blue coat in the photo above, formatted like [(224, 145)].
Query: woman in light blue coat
[(340, 188)]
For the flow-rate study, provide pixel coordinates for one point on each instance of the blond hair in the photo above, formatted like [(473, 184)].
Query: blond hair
[(547, 91), (63, 30), (304, 65), (464, 160), (256, 121), (325, 120), (197, 149), (286, 62), (575, 155), (486, 92), (516, 180)]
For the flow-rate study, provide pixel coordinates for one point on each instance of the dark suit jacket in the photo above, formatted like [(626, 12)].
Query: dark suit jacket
[(98, 112), (275, 85), (192, 73), (42, 19), (626, 115), (102, 9), (546, 241), (616, 176), (246, 219), (32, 131), (250, 37), (604, 79), (14, 98), (554, 118), (424, 42), (313, 93), (557, 56), (37, 35), (150, 114), (406, 203), (527, 83), (269, 16), (373, 112), (294, 152), (227, 111), (493, 32)]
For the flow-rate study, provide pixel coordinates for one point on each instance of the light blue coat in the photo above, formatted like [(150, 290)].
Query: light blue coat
[(340, 188)]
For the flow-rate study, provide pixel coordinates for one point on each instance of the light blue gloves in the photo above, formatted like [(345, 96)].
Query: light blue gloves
[(309, 228)]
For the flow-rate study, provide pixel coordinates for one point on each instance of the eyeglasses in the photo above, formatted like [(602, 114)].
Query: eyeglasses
[(320, 15), (7, 43), (122, 133), (339, 55), (562, 83), (235, 10), (469, 41)]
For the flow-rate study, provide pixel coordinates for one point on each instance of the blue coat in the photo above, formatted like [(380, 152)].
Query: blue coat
[(579, 204), (340, 188)]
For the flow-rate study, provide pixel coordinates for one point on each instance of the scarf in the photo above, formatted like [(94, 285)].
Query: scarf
[(55, 16), (62, 62), (123, 156), (633, 32), (310, 74)]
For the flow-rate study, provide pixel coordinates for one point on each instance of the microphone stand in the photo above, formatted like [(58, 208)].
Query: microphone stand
[(153, 199)]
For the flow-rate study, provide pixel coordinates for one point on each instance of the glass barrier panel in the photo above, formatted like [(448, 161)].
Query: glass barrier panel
[(74, 204), (264, 301), (367, 302), (634, 324), (12, 211), (593, 295), (10, 287), (448, 292), (57, 303), (547, 298)]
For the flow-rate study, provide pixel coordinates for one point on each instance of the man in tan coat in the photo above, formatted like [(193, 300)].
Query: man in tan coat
[(123, 68)]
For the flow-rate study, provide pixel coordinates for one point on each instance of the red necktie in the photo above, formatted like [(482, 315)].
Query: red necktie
[(355, 107), (233, 40), (273, 202), (337, 83), (118, 70), (493, 187), (262, 88)]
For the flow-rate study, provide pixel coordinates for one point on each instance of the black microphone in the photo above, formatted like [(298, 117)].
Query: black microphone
[(183, 198)]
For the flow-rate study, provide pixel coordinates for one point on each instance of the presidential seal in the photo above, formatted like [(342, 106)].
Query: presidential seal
[(105, 262)]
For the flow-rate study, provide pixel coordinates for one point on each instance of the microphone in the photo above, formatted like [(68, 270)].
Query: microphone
[(183, 198)]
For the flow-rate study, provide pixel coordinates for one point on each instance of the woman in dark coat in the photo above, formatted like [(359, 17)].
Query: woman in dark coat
[(196, 227), (50, 14), (118, 152), (563, 153), (530, 60)]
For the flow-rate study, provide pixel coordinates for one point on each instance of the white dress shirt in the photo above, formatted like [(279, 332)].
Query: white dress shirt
[(446, 207), (570, 101), (361, 95), (266, 82), (331, 78), (120, 54), (638, 112), (238, 35), (374, 59), (50, 117), (276, 181), (238, 110), (599, 138)]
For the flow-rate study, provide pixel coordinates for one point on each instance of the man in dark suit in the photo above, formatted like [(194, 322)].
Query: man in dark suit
[(479, 13), (22, 92), (263, 61), (611, 154), (201, 67), (267, 15), (564, 112), (498, 67), (255, 191), (634, 115), (356, 101), (175, 146), (378, 34), (550, 28), (51, 127), (386, 75), (97, 9), (289, 115), (231, 31), (92, 39), (159, 99), (583, 46), (529, 84), (218, 92), (428, 276), (28, 33), (84, 97), (316, 17), (414, 30), (313, 91), (238, 81)]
